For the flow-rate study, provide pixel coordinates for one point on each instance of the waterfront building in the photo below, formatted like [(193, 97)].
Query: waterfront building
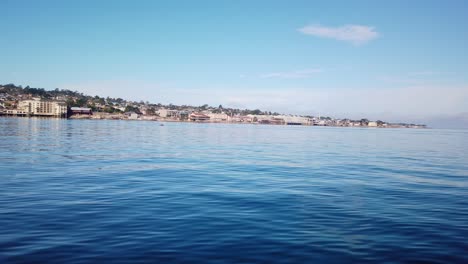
[(162, 112), (320, 123), (295, 120), (167, 113), (81, 111), (41, 107), (263, 119), (15, 112), (372, 124), (240, 119), (215, 117), (198, 117)]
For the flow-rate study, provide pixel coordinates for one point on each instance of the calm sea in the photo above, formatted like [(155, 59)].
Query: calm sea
[(83, 191)]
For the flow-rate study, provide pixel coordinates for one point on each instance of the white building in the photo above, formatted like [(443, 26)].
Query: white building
[(14, 112), (218, 117), (240, 119), (372, 124), (133, 116), (295, 120), (167, 112), (260, 118), (41, 107)]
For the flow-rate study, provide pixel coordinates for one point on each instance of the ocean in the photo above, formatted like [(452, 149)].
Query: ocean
[(104, 191)]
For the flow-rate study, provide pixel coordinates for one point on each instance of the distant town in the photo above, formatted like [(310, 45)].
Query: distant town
[(38, 102)]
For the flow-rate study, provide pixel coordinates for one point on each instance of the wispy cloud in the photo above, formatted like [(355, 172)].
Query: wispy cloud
[(356, 34), (300, 74)]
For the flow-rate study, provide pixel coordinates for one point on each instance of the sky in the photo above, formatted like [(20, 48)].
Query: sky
[(390, 60)]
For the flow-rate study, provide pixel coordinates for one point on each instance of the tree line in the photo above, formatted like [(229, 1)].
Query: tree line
[(108, 104)]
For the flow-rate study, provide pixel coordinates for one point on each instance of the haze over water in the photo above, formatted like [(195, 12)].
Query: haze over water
[(81, 191)]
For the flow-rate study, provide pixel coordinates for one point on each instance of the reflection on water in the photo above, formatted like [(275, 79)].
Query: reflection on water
[(119, 191)]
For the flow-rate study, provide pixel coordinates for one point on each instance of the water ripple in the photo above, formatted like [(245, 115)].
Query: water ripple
[(81, 191)]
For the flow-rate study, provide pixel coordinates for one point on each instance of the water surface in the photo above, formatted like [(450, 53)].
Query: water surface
[(81, 191)]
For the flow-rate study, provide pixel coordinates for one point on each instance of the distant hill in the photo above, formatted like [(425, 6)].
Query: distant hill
[(77, 99)]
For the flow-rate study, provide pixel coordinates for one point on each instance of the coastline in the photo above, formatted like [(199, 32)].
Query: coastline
[(30, 102), (121, 117)]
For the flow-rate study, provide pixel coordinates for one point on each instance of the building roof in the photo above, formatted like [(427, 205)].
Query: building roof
[(199, 115), (80, 109)]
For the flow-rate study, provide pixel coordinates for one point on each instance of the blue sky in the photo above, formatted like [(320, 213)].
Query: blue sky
[(378, 59)]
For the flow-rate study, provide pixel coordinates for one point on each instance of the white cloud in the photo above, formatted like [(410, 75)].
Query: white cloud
[(292, 74), (356, 34)]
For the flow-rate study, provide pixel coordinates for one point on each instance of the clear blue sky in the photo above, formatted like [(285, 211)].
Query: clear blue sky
[(388, 59)]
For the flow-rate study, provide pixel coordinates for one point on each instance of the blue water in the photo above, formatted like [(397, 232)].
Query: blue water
[(83, 191)]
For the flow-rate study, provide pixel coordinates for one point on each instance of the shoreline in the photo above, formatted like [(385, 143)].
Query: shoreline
[(168, 120)]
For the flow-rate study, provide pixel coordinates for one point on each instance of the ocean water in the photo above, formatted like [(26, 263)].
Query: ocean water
[(84, 191)]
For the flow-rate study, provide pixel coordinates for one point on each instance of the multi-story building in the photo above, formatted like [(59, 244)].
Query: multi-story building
[(167, 113), (218, 117), (40, 107), (372, 124), (198, 117), (240, 119), (295, 120)]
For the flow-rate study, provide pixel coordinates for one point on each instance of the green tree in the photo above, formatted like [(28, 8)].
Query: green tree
[(92, 106), (151, 111), (81, 102), (70, 102), (109, 109), (130, 108), (256, 112)]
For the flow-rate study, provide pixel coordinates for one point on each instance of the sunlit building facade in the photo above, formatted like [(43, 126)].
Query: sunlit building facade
[(40, 107)]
